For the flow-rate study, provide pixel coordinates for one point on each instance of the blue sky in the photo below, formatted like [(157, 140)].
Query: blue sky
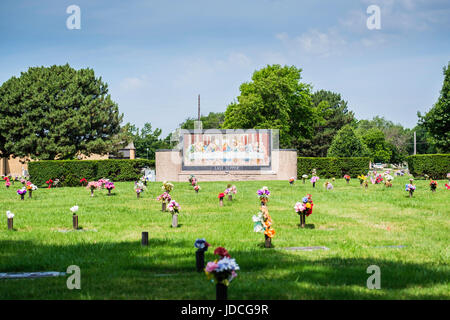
[(157, 56)]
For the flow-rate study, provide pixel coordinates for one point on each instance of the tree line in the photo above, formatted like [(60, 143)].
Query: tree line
[(58, 113)]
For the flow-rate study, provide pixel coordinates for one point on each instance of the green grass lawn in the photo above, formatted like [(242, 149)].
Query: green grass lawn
[(349, 220)]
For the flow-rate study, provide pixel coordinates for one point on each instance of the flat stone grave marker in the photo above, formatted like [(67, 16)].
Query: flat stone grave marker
[(305, 248), (395, 246), (78, 230), (31, 275)]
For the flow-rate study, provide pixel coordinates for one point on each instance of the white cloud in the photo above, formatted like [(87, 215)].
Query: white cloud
[(134, 83)]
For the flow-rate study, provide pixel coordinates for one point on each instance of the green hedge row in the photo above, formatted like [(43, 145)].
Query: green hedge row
[(435, 166), (332, 167), (69, 172)]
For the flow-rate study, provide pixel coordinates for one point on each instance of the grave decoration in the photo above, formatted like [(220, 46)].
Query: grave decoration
[(10, 216), (30, 188), (304, 177), (447, 185), (377, 178), (165, 198), (410, 188), (144, 179), (174, 209), (221, 196), (197, 188), (291, 180), (167, 186), (22, 180), (74, 210), (7, 182), (192, 180), (83, 182), (433, 185), (202, 247), (221, 271), (362, 178), (388, 181), (109, 186), (347, 178), (314, 179), (304, 209), (328, 185), (139, 187), (230, 190), (92, 185), (263, 195), (262, 222), (49, 183), (21, 192)]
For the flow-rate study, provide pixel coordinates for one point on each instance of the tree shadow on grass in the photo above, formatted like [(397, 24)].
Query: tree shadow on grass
[(169, 264)]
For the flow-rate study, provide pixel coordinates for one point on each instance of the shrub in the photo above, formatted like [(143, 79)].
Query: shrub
[(69, 172), (434, 165), (333, 167)]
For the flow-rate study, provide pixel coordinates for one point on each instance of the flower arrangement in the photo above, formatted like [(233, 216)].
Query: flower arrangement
[(144, 179), (202, 247), (21, 192), (7, 182), (347, 178), (230, 190), (291, 180), (167, 186), (102, 182), (30, 188), (192, 179), (263, 223), (328, 185), (83, 182), (74, 210), (263, 195), (173, 207), (433, 185), (410, 187), (9, 214), (314, 179), (22, 180), (362, 178), (49, 183), (92, 185), (197, 188), (164, 198), (221, 196), (109, 186), (304, 177), (222, 270), (201, 244), (304, 209), (447, 186), (139, 187)]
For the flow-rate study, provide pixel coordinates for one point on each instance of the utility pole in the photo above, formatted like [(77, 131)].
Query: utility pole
[(415, 149), (198, 108)]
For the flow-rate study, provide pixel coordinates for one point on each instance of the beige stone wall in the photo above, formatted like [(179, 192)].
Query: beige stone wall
[(168, 167), (13, 166)]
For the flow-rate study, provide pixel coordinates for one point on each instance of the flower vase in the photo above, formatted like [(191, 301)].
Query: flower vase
[(92, 193), (22, 197), (200, 260), (314, 184), (302, 219), (10, 223), (221, 291), (163, 206), (230, 197), (75, 222), (410, 193), (291, 182), (109, 192), (145, 183), (30, 194), (138, 195), (196, 191), (303, 180), (175, 220), (7, 187), (221, 202), (348, 181), (268, 242)]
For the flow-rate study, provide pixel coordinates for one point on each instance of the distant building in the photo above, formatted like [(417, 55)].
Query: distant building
[(128, 152)]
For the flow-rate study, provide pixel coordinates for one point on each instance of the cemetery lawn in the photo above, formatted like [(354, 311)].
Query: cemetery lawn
[(355, 224)]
